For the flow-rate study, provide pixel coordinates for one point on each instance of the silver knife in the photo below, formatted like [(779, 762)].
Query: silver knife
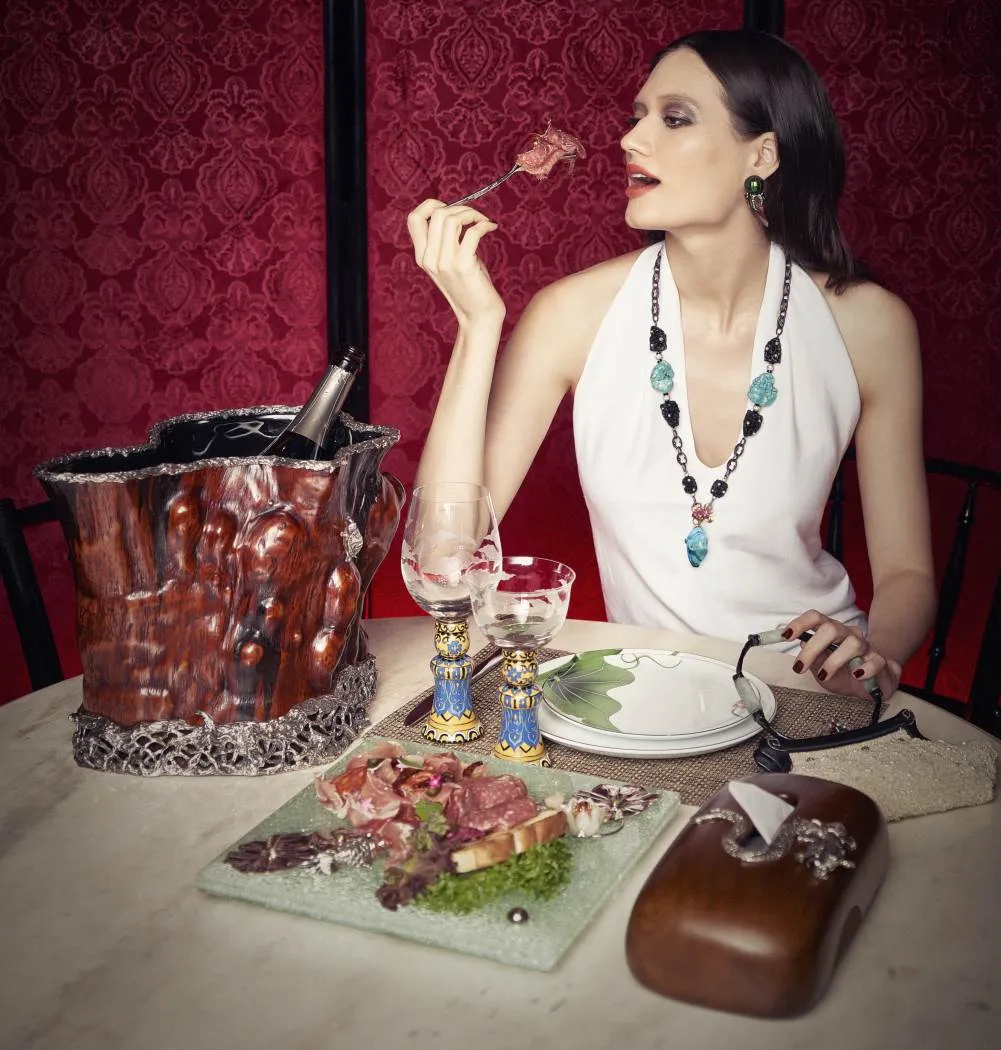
[(484, 665)]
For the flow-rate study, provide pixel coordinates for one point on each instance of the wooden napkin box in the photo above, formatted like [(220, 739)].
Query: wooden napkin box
[(763, 937)]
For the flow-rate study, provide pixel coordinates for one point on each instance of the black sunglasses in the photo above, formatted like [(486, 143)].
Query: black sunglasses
[(773, 750)]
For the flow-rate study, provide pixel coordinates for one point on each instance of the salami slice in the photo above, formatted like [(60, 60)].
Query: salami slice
[(491, 802), (502, 816)]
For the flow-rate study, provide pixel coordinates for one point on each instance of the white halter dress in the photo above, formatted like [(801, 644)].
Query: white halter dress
[(765, 563)]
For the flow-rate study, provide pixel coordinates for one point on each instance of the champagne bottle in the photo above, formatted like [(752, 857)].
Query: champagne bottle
[(315, 433)]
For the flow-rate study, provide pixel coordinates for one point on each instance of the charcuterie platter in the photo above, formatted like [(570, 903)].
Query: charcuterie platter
[(505, 829)]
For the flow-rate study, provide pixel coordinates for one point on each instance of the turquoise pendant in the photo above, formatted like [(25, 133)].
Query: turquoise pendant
[(762, 390), (697, 543), (662, 377)]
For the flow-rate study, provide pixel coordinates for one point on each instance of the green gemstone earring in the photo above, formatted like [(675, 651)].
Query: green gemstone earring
[(754, 194)]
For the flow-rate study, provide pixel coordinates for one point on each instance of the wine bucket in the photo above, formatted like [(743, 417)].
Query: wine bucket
[(220, 593)]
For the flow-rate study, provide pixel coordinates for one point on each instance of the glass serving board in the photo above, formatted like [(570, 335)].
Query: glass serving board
[(348, 895)]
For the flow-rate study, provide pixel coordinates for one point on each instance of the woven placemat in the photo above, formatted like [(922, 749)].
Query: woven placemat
[(799, 713)]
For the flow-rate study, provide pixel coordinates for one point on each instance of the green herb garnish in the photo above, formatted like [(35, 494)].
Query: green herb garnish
[(432, 816), (540, 872)]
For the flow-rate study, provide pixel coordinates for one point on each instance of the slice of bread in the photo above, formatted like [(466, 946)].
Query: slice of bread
[(499, 845)]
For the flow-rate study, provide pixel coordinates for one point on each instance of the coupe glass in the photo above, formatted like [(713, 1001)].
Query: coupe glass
[(450, 537), (520, 610)]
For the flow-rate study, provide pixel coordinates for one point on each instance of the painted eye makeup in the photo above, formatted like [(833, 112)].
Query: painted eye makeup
[(676, 120)]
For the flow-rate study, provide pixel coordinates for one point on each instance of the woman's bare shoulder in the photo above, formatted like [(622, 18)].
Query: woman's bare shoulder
[(877, 327), (565, 316), (590, 289)]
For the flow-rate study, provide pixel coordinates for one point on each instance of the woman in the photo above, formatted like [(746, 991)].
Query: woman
[(706, 493)]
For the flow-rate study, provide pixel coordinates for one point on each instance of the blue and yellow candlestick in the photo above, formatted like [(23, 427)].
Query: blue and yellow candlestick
[(452, 719), (520, 739)]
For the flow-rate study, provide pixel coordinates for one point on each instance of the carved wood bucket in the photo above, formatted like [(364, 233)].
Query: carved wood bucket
[(220, 593)]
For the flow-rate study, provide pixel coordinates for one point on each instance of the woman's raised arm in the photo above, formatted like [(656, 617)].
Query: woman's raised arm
[(487, 428)]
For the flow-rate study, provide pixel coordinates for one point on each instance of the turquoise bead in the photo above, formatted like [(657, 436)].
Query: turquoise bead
[(762, 390), (697, 543), (662, 377)]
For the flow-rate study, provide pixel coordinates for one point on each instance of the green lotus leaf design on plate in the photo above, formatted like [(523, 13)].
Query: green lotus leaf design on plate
[(580, 687)]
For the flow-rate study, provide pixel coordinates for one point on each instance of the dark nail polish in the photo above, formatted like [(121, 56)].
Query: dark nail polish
[(787, 633), (821, 676), (798, 666), (859, 672)]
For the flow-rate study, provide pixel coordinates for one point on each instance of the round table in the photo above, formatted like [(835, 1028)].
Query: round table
[(107, 944)]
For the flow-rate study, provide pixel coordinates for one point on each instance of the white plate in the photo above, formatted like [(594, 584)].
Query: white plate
[(647, 697), (581, 739)]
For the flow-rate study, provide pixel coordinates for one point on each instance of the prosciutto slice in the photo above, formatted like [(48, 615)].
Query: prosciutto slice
[(360, 795), (393, 836), (378, 792), (367, 758)]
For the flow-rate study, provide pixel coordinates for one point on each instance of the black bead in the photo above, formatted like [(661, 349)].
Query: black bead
[(658, 339), (752, 422), (718, 488), (670, 411), (689, 484), (773, 351)]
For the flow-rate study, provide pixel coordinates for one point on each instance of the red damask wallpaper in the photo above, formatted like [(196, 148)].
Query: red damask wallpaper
[(161, 230), (456, 92), (915, 85), (456, 89), (161, 216), (916, 88)]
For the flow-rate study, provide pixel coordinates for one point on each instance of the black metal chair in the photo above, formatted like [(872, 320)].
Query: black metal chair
[(21, 584), (983, 705)]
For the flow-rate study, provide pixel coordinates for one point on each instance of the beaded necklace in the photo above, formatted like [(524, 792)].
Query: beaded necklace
[(761, 393)]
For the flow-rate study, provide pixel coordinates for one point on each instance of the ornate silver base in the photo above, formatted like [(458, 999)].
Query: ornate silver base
[(312, 732)]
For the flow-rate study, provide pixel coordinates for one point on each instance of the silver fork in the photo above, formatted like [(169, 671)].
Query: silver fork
[(483, 190)]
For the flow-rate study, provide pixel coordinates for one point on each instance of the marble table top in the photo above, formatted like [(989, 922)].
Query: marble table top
[(107, 944)]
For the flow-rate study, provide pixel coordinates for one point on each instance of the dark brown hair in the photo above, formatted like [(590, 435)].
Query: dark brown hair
[(769, 86)]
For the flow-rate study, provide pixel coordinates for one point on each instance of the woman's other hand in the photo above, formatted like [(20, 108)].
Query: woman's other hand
[(445, 242), (850, 665)]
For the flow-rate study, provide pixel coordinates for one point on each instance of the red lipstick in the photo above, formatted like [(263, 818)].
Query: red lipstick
[(639, 181)]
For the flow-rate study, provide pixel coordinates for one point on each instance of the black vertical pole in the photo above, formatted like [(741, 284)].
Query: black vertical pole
[(347, 215), (766, 15)]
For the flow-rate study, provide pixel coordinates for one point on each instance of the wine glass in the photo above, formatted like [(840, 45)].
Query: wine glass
[(450, 534), (520, 609)]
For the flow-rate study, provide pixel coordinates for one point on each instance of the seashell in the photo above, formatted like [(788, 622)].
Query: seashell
[(623, 799), (585, 816)]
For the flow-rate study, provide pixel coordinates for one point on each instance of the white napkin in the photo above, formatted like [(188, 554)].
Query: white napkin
[(766, 811)]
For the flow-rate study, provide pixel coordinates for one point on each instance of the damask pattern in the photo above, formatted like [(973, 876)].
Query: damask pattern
[(162, 240), (917, 95), (161, 214), (456, 91), (915, 86)]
